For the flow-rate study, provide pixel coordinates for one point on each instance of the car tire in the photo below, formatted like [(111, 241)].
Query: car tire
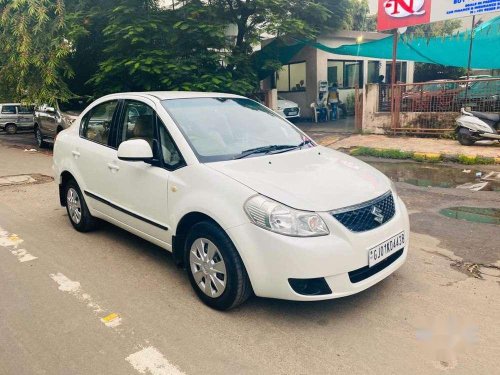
[(78, 212), (225, 289), (11, 129), (464, 137), (39, 138)]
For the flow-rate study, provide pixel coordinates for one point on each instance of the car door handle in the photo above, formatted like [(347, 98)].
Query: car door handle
[(76, 154), (112, 167)]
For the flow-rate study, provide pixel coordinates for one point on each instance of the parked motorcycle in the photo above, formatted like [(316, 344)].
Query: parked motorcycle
[(475, 126)]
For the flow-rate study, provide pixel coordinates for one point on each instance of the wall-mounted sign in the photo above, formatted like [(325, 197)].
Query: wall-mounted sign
[(400, 13)]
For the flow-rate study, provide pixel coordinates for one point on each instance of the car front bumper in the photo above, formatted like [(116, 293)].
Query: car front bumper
[(272, 259)]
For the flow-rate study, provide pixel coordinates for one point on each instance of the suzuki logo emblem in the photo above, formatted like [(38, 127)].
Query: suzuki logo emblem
[(377, 212), (404, 8)]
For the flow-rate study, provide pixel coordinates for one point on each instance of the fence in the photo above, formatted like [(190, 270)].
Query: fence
[(432, 107)]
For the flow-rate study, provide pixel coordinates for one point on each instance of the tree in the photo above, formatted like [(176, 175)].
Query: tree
[(34, 46)]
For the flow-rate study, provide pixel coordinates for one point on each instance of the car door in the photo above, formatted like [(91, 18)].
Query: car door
[(25, 116), (48, 120), (93, 152), (140, 189)]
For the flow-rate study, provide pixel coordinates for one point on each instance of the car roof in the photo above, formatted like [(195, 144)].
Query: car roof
[(10, 103), (165, 95)]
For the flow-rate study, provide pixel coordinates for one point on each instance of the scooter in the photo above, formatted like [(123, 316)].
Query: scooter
[(476, 126)]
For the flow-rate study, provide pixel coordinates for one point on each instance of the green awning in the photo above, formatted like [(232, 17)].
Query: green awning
[(451, 50)]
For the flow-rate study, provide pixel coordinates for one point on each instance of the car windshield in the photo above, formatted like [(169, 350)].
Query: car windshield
[(230, 128), (74, 106)]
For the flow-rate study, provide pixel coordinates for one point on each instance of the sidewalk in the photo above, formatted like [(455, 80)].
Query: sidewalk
[(420, 145)]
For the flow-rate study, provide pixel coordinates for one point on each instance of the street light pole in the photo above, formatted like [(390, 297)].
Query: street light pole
[(470, 56), (393, 78)]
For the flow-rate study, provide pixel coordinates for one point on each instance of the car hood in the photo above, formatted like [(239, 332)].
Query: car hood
[(286, 104), (314, 179)]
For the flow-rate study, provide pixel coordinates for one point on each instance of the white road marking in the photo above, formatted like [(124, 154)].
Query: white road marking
[(150, 361), (74, 288), (11, 242)]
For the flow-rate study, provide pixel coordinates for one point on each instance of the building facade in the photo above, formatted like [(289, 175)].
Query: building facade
[(299, 80)]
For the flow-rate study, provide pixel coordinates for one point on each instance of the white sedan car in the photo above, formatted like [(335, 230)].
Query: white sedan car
[(288, 109), (241, 197)]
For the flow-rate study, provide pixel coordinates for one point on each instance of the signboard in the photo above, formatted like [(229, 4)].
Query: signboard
[(394, 14)]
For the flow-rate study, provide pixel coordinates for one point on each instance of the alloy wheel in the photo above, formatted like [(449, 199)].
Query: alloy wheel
[(74, 205), (208, 267)]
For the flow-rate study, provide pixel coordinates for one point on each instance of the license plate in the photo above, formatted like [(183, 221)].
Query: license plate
[(292, 113), (382, 251)]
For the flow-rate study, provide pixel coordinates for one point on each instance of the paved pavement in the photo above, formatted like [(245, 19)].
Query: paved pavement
[(108, 302), (443, 146)]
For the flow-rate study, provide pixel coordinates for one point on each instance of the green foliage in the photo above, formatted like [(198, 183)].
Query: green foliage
[(382, 153), (435, 29), (59, 48), (428, 72), (471, 160), (34, 50)]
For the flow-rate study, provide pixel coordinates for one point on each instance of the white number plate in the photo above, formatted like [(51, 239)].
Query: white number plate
[(380, 252), (292, 113)]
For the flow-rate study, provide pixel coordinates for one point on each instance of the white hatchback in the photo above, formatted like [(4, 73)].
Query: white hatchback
[(241, 197)]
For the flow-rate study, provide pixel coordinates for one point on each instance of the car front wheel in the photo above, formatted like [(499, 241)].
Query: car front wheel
[(215, 269), (77, 209), (39, 138)]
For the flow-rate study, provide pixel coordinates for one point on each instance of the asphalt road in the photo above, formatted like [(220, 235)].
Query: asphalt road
[(108, 302)]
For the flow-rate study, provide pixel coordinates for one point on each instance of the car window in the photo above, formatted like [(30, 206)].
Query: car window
[(9, 109), (138, 123), (97, 124), (25, 110), (170, 153)]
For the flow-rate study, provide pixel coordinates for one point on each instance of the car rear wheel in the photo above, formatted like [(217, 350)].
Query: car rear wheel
[(77, 209), (465, 137), (39, 138), (215, 269), (11, 129)]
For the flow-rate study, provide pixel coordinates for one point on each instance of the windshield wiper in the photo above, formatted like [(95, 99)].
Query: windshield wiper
[(263, 150)]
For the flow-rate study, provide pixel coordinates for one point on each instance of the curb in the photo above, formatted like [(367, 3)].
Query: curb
[(429, 157)]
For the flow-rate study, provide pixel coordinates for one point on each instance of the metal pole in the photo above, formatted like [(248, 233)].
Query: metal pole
[(470, 56), (393, 78)]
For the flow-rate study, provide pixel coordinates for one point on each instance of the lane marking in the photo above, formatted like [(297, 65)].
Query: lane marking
[(75, 289), (150, 361), (11, 242), (112, 320)]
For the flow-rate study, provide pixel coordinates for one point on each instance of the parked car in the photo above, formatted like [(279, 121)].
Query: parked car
[(50, 121), (472, 78), (436, 95), (288, 109), (14, 117), (482, 96), (240, 196)]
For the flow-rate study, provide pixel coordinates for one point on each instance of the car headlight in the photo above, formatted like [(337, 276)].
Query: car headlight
[(281, 219)]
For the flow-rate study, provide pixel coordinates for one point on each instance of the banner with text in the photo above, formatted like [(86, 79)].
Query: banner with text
[(401, 13)]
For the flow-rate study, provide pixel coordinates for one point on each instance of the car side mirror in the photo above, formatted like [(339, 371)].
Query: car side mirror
[(135, 150)]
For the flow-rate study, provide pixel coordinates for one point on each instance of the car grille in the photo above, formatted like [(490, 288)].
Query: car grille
[(367, 216), (287, 111)]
